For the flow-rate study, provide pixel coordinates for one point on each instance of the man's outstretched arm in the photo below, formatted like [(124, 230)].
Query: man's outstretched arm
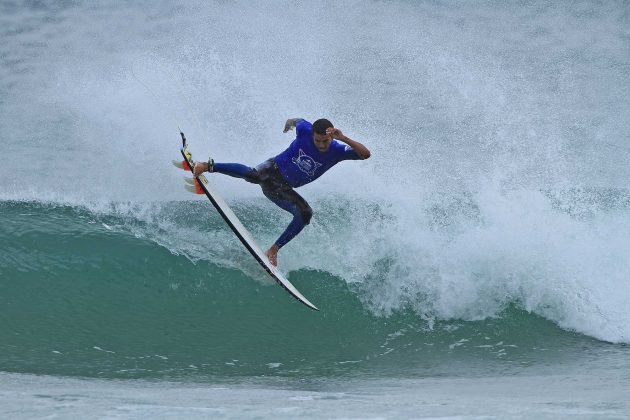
[(359, 148), (291, 123)]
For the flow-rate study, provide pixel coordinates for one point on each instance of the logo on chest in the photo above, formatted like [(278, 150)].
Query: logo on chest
[(306, 163)]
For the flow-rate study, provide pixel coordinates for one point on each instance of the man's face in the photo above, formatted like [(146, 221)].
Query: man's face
[(322, 141)]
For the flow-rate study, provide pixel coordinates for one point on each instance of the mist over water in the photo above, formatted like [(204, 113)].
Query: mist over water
[(499, 133)]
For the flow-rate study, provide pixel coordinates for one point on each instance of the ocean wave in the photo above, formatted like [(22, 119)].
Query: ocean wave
[(460, 258)]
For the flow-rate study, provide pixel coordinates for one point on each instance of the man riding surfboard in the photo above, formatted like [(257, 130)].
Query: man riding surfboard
[(314, 150)]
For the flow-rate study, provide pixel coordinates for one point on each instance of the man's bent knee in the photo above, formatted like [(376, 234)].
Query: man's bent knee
[(306, 214)]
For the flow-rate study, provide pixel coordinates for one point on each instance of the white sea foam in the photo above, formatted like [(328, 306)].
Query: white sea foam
[(600, 394)]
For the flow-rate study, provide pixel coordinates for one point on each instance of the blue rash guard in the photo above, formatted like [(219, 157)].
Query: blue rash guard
[(298, 165), (302, 163)]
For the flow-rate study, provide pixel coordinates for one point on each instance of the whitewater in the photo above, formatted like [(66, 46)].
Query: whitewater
[(475, 265)]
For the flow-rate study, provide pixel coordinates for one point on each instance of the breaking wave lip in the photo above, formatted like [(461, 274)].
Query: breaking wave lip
[(460, 257)]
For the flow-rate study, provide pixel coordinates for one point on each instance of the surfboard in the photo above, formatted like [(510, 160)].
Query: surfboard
[(201, 185)]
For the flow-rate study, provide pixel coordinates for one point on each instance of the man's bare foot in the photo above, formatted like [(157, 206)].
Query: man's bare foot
[(272, 254)]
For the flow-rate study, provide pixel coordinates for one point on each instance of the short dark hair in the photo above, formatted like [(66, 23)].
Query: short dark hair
[(320, 126)]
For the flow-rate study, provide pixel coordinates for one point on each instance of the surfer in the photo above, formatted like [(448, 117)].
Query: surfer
[(313, 152)]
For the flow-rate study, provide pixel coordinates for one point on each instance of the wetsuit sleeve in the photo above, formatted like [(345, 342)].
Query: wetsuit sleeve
[(348, 153), (303, 128)]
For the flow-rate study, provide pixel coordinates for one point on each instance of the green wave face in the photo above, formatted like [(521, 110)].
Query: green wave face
[(91, 295)]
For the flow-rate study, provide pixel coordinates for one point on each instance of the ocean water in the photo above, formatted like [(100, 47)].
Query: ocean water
[(475, 267)]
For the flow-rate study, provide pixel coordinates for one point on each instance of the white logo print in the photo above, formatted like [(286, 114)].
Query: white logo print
[(306, 163)]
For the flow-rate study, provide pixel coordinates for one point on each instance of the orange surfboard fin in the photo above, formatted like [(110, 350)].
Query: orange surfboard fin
[(181, 164), (195, 189)]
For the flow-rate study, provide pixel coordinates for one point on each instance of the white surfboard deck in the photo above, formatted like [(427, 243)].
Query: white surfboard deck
[(240, 231)]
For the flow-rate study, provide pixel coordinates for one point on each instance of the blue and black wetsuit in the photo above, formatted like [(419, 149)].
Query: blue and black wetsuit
[(298, 165)]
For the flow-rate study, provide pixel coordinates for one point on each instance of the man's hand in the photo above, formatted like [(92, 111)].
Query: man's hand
[(335, 133), (360, 149), (200, 167), (290, 124)]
